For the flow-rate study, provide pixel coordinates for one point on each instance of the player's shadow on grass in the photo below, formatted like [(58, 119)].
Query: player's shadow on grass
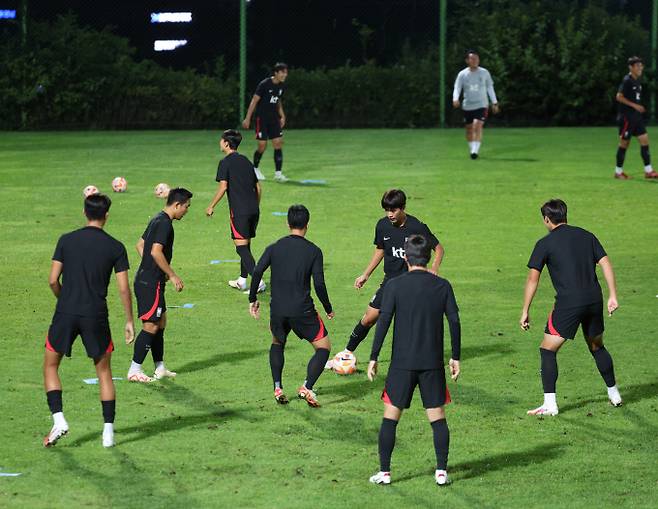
[(630, 394), (347, 390), (513, 159), (306, 184), (480, 467), (472, 352), (221, 358)]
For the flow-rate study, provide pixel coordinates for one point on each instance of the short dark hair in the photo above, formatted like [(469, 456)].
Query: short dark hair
[(97, 205), (394, 199), (232, 137), (179, 195), (634, 60), (555, 210), (417, 250), (470, 52), (298, 216), (280, 66)]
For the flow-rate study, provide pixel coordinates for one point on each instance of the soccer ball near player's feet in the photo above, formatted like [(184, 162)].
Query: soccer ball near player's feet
[(162, 190), (119, 185), (89, 190), (344, 363)]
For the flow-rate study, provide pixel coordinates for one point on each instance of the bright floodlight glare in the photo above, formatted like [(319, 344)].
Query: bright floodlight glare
[(7, 14), (171, 17), (168, 45)]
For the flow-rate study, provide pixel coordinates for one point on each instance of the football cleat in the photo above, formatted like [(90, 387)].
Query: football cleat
[(542, 410), (235, 283), (622, 176), (614, 396), (474, 155), (161, 373), (329, 364), (280, 177), (261, 288), (381, 478), (280, 397), (309, 396), (259, 174), (441, 477), (108, 438), (55, 434), (650, 175), (139, 376)]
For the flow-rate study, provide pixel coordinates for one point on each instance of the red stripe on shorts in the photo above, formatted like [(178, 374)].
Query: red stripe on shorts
[(150, 312)]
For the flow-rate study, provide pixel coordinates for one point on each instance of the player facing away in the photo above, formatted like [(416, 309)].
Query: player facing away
[(419, 300), (236, 178), (391, 233), (270, 119), (631, 119), (293, 261), (477, 87), (156, 247), (571, 255), (84, 260)]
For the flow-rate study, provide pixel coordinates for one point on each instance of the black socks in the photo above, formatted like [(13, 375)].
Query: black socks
[(257, 156), (604, 363), (54, 401), (548, 370), (109, 409), (316, 366), (157, 346), (646, 157), (142, 346), (621, 155), (276, 364), (278, 159), (386, 443), (247, 262), (358, 334), (441, 443)]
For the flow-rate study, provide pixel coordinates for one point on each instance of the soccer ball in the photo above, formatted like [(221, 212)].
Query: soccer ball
[(344, 363), (162, 190), (89, 190), (119, 185)]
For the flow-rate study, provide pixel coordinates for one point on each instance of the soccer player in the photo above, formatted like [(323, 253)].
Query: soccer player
[(631, 119), (391, 233), (294, 261), (156, 247), (419, 300), (571, 255), (476, 84), (84, 260), (270, 119), (236, 177)]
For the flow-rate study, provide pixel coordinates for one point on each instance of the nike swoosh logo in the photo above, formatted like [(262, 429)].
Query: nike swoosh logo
[(387, 238)]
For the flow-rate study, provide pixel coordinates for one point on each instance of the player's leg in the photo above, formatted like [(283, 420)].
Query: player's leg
[(280, 328), (157, 351), (107, 395), (261, 146), (277, 145), (143, 345), (386, 443), (363, 326), (548, 349), (643, 138), (441, 437), (478, 129), (313, 329), (624, 141), (247, 262), (469, 133), (53, 387)]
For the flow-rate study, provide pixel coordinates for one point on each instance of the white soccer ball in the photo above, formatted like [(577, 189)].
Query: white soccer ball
[(162, 190), (119, 185), (344, 363), (89, 190)]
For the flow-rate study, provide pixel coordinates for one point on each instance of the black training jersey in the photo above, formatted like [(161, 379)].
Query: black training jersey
[(88, 256), (293, 261), (270, 94), (571, 255), (238, 172), (392, 238), (631, 89), (419, 300), (160, 230)]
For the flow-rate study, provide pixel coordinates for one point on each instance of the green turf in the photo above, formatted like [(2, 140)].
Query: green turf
[(215, 438)]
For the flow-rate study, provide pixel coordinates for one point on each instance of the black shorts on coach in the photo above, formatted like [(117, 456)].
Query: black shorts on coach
[(94, 330), (564, 322), (631, 126), (401, 383), (244, 226), (480, 114), (268, 128), (151, 303), (311, 327)]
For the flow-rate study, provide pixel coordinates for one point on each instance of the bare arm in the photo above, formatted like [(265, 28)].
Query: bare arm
[(621, 99), (438, 257), (161, 261), (250, 111), (140, 247), (126, 300), (609, 275), (221, 190), (53, 279), (376, 259), (531, 285)]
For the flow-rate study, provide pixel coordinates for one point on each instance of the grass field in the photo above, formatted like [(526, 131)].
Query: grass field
[(215, 438)]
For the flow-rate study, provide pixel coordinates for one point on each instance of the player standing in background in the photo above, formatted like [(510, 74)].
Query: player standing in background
[(476, 84), (156, 247), (571, 255), (84, 259), (270, 119), (236, 177), (391, 233), (631, 119), (294, 261), (419, 300)]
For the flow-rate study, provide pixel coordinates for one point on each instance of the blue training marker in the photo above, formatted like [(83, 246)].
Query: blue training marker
[(215, 262), (279, 213), (312, 181), (7, 474), (184, 306), (94, 381)]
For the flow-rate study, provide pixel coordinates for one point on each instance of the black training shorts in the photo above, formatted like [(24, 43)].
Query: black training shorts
[(268, 128), (310, 327), (65, 328), (565, 322), (401, 383), (151, 303), (376, 301), (480, 114), (631, 125), (244, 226)]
